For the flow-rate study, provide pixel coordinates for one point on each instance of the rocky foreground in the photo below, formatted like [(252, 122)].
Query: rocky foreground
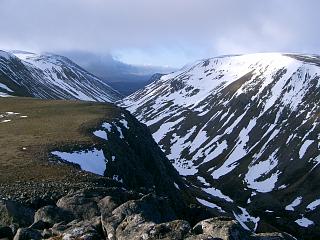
[(113, 213)]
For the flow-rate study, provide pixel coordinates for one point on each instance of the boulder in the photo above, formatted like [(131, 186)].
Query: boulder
[(40, 225), (108, 204), (132, 227), (272, 236), (87, 229), (135, 227), (59, 228), (82, 204), (201, 237), (177, 229), (222, 228), (6, 233), (27, 234), (15, 213), (46, 233), (52, 215), (88, 203), (149, 210)]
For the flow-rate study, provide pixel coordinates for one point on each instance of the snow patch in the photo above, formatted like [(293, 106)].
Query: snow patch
[(245, 218), (312, 206), (210, 205), (5, 121), (259, 170), (304, 147), (5, 87), (238, 152), (89, 160), (117, 178), (124, 123), (304, 222), (101, 134), (203, 181), (294, 204), (217, 193)]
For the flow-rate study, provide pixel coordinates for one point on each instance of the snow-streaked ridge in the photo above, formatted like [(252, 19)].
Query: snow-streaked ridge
[(247, 124), (51, 76)]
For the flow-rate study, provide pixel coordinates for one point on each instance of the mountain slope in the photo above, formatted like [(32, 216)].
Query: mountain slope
[(42, 134), (126, 78), (50, 76), (246, 126), (84, 170)]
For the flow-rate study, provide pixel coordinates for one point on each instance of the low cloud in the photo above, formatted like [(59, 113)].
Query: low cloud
[(189, 28)]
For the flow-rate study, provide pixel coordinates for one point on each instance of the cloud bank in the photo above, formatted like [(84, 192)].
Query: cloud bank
[(160, 31)]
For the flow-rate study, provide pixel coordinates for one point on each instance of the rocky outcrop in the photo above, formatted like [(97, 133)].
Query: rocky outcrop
[(14, 213), (51, 215), (6, 233), (116, 214), (27, 233)]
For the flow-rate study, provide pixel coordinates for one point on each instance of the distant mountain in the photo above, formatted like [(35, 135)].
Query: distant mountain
[(50, 76), (125, 78), (243, 130)]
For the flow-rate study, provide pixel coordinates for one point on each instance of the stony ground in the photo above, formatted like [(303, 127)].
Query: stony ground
[(115, 214)]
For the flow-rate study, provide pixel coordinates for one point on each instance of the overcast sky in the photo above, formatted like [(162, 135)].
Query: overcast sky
[(161, 32)]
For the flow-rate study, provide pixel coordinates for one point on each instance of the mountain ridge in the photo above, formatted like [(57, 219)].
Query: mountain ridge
[(235, 124), (50, 76)]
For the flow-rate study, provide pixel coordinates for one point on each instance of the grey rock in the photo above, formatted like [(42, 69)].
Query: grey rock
[(14, 228), (132, 227), (86, 204), (40, 225), (107, 205), (272, 236), (135, 227), (15, 213), (59, 228), (52, 215), (27, 234), (177, 229), (82, 204), (86, 230), (223, 228), (46, 233), (149, 209), (6, 233), (202, 237)]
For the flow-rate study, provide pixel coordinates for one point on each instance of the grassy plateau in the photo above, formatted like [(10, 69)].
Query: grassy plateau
[(27, 138)]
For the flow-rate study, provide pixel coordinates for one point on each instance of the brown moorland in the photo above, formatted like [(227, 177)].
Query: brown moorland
[(40, 127)]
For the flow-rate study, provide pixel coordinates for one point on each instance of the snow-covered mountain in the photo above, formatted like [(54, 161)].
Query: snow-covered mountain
[(244, 130), (50, 76)]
